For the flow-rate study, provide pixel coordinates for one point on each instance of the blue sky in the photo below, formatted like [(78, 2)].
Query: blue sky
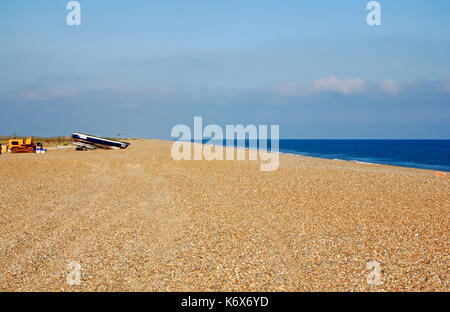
[(140, 67)]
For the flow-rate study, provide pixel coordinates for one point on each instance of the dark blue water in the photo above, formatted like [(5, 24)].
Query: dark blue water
[(423, 154)]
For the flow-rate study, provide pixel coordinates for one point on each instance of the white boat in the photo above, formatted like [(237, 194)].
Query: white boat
[(86, 141)]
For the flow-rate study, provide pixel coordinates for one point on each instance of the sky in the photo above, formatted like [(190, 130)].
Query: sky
[(138, 68)]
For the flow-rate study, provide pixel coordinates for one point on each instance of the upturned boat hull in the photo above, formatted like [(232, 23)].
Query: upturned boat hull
[(91, 141)]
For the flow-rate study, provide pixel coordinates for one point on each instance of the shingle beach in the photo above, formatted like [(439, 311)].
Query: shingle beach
[(137, 220)]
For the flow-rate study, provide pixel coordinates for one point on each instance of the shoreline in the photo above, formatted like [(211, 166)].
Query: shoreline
[(279, 153), (338, 159)]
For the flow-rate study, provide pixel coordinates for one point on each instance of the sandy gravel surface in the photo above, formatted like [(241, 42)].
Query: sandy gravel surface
[(137, 220)]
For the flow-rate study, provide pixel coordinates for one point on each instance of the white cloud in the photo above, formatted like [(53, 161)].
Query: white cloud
[(340, 85), (31, 95), (345, 86), (105, 92), (293, 89), (44, 96), (390, 86)]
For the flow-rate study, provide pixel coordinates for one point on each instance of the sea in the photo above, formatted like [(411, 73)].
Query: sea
[(422, 154)]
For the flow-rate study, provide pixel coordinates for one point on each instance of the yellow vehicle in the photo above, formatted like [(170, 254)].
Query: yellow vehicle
[(22, 145)]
